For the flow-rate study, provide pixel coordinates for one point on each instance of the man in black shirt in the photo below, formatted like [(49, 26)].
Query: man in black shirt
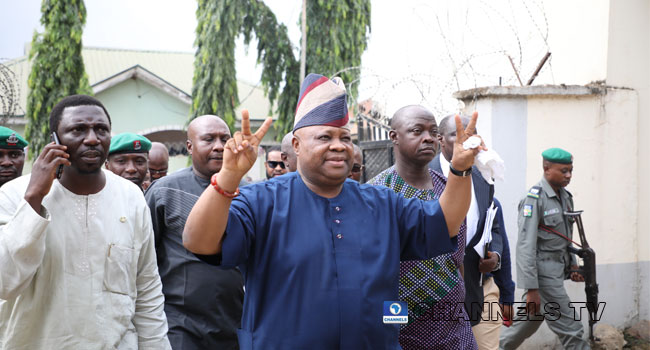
[(275, 163), (203, 303)]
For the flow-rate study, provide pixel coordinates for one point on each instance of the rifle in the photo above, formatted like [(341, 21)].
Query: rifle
[(587, 270)]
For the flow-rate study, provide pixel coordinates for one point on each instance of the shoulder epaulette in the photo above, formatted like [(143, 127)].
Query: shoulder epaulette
[(534, 192)]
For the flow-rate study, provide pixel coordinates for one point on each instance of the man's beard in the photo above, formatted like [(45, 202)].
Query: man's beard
[(85, 168), (89, 171), (2, 181)]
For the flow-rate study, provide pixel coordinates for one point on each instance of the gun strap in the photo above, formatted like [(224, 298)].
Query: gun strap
[(550, 230)]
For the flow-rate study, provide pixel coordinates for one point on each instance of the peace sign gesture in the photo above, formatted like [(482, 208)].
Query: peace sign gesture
[(240, 151), (463, 159)]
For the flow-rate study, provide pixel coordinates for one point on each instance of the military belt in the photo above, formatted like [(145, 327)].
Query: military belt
[(551, 254)]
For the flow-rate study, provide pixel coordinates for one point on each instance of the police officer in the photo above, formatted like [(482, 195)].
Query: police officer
[(12, 155), (128, 157), (543, 261)]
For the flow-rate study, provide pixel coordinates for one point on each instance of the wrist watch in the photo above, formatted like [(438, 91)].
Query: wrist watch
[(463, 173), (498, 267)]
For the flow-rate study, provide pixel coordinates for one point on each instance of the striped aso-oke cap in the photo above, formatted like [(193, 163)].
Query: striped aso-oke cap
[(322, 101)]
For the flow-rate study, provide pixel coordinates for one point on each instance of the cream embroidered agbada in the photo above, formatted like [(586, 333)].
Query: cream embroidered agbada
[(83, 275)]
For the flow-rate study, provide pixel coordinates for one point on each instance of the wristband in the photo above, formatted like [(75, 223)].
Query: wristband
[(463, 173), (221, 190)]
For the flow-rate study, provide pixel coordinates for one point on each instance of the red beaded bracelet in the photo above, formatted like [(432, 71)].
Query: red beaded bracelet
[(221, 190)]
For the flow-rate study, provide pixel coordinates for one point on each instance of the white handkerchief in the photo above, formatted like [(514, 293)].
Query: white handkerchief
[(490, 165), (472, 142)]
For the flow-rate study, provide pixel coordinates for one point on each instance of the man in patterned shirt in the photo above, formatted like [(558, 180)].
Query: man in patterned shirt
[(434, 289), (320, 252), (481, 275)]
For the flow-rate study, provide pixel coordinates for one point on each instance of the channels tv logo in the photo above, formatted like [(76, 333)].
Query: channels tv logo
[(395, 312)]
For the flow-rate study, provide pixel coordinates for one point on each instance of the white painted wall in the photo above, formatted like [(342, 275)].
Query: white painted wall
[(600, 130), (502, 124), (628, 65)]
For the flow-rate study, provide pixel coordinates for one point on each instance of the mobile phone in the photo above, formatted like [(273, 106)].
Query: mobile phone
[(59, 170)]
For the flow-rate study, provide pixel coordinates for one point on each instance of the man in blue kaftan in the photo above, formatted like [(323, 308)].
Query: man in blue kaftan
[(320, 253)]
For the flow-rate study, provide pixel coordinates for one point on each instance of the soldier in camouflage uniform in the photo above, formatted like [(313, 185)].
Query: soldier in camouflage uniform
[(543, 261)]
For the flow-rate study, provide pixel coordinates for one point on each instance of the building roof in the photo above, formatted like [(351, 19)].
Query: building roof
[(139, 72), (174, 68)]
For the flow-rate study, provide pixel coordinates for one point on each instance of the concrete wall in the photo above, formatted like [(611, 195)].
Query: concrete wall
[(503, 124), (629, 65), (600, 130)]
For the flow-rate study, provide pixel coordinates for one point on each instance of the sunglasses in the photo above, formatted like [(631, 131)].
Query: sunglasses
[(356, 168), (157, 172), (272, 164)]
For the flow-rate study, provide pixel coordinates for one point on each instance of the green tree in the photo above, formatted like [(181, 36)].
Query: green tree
[(214, 89), (336, 38), (337, 52), (57, 66)]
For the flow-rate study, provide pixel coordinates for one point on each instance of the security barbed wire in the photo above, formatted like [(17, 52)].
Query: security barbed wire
[(516, 29), (9, 93)]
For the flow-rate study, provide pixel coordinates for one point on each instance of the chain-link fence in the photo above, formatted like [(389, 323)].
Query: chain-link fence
[(377, 156)]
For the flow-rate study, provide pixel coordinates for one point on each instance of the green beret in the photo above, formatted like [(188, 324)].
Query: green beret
[(11, 139), (129, 143), (557, 155)]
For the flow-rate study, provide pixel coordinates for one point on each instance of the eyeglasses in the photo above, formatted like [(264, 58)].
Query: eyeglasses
[(356, 168), (273, 164), (157, 172)]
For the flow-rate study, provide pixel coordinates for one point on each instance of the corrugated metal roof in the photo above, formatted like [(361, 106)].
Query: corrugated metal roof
[(177, 68)]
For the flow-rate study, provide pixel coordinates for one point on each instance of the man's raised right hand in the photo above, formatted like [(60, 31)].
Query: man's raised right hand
[(206, 224), (240, 152), (44, 172)]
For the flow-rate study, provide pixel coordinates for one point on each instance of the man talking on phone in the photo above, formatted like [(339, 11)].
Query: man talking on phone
[(77, 254)]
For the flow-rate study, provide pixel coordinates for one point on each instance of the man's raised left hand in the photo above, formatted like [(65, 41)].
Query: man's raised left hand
[(463, 159)]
